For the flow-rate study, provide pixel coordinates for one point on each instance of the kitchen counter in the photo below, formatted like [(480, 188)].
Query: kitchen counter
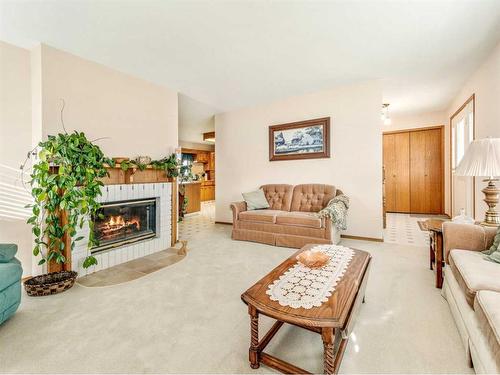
[(192, 191)]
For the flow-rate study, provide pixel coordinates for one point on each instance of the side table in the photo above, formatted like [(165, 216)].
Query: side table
[(435, 228)]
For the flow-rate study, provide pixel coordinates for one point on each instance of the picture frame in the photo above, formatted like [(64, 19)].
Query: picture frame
[(308, 139)]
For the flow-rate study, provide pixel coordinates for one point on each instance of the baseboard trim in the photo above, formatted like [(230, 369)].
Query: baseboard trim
[(372, 239), (223, 222)]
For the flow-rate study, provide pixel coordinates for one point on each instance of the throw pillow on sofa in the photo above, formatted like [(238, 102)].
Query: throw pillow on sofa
[(7, 252), (255, 200), (493, 253)]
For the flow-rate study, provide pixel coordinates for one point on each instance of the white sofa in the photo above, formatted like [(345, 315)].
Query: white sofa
[(472, 290)]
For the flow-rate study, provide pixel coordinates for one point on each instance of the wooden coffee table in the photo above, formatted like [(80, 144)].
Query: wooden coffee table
[(333, 320)]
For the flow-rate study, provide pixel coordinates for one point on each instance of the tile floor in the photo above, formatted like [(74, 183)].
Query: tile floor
[(198, 222), (132, 270), (403, 229)]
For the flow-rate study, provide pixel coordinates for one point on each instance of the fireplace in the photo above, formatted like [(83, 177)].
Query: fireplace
[(124, 222)]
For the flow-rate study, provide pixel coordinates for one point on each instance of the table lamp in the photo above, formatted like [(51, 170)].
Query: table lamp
[(482, 159)]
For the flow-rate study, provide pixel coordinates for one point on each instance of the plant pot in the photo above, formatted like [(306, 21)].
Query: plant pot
[(50, 283)]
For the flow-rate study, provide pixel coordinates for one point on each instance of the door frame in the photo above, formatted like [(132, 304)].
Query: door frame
[(423, 128), (455, 114)]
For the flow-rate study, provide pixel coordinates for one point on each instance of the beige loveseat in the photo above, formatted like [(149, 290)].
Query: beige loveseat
[(291, 219), (472, 289)]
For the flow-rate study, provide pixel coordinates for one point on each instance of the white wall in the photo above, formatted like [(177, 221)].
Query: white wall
[(485, 84), (195, 118), (420, 120), (197, 146), (139, 117), (355, 165), (15, 142)]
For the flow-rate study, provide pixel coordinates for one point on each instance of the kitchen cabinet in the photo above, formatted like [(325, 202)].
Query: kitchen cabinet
[(208, 191), (202, 157), (192, 191), (212, 161)]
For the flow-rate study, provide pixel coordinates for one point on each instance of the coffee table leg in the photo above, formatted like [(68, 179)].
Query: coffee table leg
[(253, 354), (327, 334)]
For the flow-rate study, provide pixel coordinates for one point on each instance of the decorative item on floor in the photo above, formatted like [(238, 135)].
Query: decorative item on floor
[(300, 140), (313, 258), (51, 283), (65, 181), (183, 250), (336, 210), (482, 158), (10, 281), (302, 287)]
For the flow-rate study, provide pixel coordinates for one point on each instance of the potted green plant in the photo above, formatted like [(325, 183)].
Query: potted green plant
[(65, 185)]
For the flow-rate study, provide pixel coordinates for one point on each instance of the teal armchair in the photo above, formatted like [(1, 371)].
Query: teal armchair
[(10, 281)]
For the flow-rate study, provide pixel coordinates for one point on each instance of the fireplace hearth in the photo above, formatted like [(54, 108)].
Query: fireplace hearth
[(124, 222)]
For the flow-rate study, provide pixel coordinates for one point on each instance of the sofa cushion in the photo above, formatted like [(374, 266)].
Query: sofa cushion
[(474, 273), (279, 196), (263, 216), (255, 200), (293, 230), (311, 197), (301, 219), (7, 252), (487, 311), (10, 273)]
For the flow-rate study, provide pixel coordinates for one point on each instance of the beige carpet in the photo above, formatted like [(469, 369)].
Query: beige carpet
[(188, 318)]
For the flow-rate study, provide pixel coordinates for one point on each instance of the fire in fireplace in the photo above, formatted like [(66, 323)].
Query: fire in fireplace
[(124, 222)]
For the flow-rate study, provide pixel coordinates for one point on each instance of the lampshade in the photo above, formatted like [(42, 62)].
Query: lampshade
[(482, 158)]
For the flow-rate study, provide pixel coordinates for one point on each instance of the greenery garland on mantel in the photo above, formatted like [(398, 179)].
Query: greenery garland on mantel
[(169, 164), (67, 177)]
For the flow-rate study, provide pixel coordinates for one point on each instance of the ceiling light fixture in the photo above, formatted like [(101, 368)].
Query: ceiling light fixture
[(386, 118)]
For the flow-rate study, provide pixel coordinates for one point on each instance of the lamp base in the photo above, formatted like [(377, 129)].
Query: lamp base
[(491, 197)]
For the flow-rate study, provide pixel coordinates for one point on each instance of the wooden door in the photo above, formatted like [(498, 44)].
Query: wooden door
[(426, 164), (396, 148)]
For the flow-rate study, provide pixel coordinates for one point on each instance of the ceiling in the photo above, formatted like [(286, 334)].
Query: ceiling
[(233, 54)]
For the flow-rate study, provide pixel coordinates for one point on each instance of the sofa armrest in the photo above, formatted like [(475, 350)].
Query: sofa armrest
[(462, 236), (328, 225), (237, 207)]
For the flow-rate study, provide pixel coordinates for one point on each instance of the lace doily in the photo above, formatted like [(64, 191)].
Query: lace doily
[(305, 287)]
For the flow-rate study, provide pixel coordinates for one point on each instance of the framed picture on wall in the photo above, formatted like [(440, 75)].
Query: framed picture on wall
[(300, 140)]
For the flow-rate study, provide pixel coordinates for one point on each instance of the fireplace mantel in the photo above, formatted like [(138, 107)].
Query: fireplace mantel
[(134, 175)]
